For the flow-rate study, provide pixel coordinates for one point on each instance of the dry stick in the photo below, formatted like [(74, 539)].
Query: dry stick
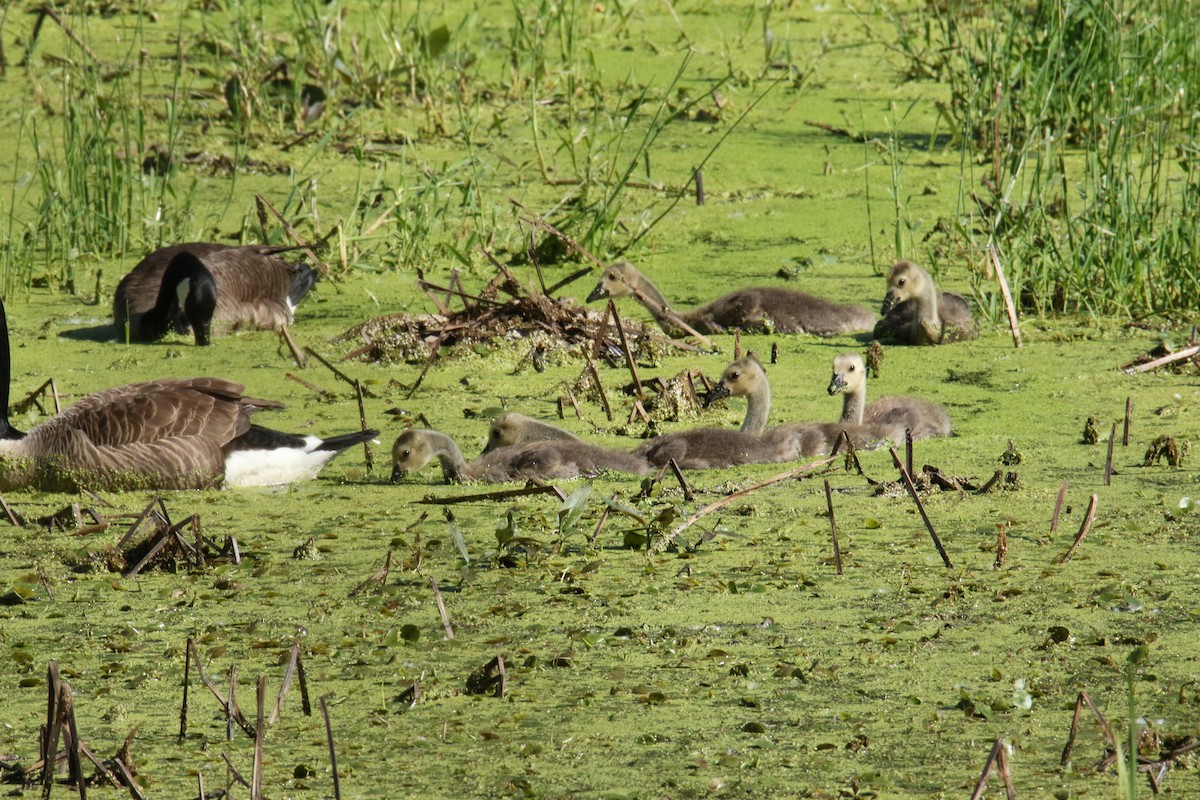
[(665, 541), (599, 525), (1128, 415), (908, 447), (502, 494), (47, 11), (1083, 531), (574, 276), (441, 604), (53, 728), (591, 365), (698, 177), (212, 687), (380, 577), (912, 492), (135, 791), (1181, 355), (362, 420), (337, 786), (232, 773), (1112, 436), (288, 672), (312, 387), (837, 552), (1062, 493), (678, 473), (433, 353), (981, 784), (296, 237), (8, 512), (71, 737), (1001, 547), (574, 402), (183, 707), (1008, 301), (297, 356), (231, 704), (256, 775), (612, 309), (346, 378)]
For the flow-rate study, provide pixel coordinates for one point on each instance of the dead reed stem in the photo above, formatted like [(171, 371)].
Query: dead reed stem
[(616, 318), (665, 541), (260, 727), (1112, 438), (997, 760), (297, 356), (337, 784), (591, 366), (1128, 417), (1083, 531), (362, 421), (1058, 504), (1008, 301), (441, 605), (837, 551), (1171, 358), (912, 492)]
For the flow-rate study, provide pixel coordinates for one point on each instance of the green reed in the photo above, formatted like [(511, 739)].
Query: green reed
[(1075, 118)]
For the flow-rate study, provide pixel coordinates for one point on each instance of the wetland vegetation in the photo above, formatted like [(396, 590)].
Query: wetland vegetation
[(437, 143)]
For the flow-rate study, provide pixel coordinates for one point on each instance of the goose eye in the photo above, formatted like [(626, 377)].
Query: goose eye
[(405, 453), (850, 368), (901, 281), (733, 376)]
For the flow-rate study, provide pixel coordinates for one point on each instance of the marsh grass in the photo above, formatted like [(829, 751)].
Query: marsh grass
[(1083, 143)]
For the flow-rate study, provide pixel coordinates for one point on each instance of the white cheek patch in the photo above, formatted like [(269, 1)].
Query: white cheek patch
[(182, 291)]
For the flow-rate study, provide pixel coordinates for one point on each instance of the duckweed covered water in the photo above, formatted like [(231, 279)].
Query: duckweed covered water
[(744, 666)]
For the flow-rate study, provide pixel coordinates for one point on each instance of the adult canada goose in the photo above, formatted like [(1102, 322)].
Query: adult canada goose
[(765, 309), (192, 285), (540, 460), (190, 433), (915, 312), (892, 415), (511, 428)]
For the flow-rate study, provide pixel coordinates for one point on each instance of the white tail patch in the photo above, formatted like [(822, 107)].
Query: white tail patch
[(281, 465)]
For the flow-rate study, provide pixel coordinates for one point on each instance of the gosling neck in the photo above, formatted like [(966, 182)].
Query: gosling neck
[(928, 318), (454, 466), (854, 401), (758, 408)]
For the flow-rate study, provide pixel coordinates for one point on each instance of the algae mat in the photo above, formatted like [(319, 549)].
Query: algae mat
[(744, 665)]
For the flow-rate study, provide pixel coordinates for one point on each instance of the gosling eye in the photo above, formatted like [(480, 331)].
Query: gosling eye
[(901, 281), (850, 368), (733, 376), (405, 453)]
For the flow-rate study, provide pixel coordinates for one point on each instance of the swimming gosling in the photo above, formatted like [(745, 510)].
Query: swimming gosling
[(760, 310), (511, 428), (891, 415), (542, 460), (914, 312)]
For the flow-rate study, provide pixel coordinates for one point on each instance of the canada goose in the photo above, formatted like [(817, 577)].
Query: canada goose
[(763, 309), (891, 415), (192, 285), (191, 433), (540, 460), (914, 312), (512, 428)]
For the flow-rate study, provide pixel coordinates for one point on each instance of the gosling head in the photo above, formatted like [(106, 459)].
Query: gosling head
[(505, 430), (742, 378), (849, 374), (410, 453), (905, 281), (617, 281)]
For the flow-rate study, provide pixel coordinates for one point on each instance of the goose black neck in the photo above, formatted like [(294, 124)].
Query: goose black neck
[(6, 431), (187, 298)]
